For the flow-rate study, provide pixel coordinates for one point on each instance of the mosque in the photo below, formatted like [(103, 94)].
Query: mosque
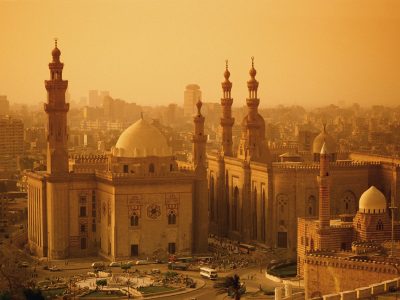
[(350, 252), (255, 199), (138, 201)]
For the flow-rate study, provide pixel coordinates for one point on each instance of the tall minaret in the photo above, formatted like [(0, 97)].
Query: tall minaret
[(252, 145), (200, 201), (199, 139), (227, 120), (324, 197), (56, 109)]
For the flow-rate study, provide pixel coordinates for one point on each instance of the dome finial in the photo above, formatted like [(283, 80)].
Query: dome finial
[(55, 42), (253, 71), (226, 64), (199, 105)]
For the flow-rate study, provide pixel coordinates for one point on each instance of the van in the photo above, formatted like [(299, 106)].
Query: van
[(208, 273), (178, 266)]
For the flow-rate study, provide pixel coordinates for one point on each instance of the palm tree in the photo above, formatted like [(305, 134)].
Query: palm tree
[(230, 285)]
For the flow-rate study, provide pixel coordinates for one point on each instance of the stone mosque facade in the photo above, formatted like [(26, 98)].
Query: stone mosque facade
[(137, 201), (254, 199)]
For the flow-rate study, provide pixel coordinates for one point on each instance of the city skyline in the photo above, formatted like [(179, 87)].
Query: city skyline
[(305, 54)]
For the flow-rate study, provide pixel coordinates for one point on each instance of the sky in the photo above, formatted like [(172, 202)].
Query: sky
[(308, 52)]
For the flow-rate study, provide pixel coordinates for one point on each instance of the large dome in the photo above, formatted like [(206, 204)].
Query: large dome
[(322, 138), (372, 201), (141, 139)]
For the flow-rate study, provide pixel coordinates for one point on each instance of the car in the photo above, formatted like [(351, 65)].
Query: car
[(23, 264), (99, 265), (115, 264), (142, 262), (155, 271), (54, 269)]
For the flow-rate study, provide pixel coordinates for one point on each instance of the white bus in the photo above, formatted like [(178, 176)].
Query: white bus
[(208, 273)]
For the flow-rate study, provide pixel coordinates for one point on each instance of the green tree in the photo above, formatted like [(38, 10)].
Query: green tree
[(230, 285), (101, 283)]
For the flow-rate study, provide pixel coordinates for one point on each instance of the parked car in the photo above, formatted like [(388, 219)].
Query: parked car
[(98, 265), (54, 269), (143, 262), (22, 264), (115, 264)]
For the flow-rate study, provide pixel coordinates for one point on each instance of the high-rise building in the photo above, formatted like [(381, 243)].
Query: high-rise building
[(4, 105), (191, 95), (94, 98), (11, 136)]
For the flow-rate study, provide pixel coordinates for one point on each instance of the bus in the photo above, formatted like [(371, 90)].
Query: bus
[(208, 273), (245, 248)]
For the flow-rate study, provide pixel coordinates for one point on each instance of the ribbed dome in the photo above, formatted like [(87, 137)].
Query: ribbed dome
[(372, 201), (141, 139), (322, 138)]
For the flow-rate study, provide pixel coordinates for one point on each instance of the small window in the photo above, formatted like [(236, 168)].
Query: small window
[(151, 168), (171, 248), (171, 218), (126, 169), (379, 226), (82, 211), (83, 228), (83, 243), (134, 220), (170, 167), (94, 226)]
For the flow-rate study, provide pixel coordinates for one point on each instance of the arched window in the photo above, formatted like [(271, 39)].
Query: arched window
[(379, 225), (312, 206), (254, 213), (151, 168), (171, 218), (263, 214), (349, 205), (235, 208), (134, 220), (212, 198), (358, 225)]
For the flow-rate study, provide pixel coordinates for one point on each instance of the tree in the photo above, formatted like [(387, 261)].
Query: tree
[(101, 282), (230, 285)]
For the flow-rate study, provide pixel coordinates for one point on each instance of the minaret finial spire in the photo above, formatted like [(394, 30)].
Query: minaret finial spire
[(252, 61), (226, 64), (55, 42)]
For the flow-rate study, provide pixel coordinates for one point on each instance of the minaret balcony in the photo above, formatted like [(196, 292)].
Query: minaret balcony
[(56, 108), (56, 84)]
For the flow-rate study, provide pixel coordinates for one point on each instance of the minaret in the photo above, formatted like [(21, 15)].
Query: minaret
[(252, 145), (56, 109), (199, 139), (324, 197), (227, 120), (252, 104), (200, 199)]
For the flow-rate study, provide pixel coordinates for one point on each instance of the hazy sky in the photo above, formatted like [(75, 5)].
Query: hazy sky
[(306, 52)]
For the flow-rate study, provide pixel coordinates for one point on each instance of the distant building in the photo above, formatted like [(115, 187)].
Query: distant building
[(11, 136), (191, 95), (4, 105)]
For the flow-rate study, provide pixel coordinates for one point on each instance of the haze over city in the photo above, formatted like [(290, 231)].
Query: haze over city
[(306, 53)]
